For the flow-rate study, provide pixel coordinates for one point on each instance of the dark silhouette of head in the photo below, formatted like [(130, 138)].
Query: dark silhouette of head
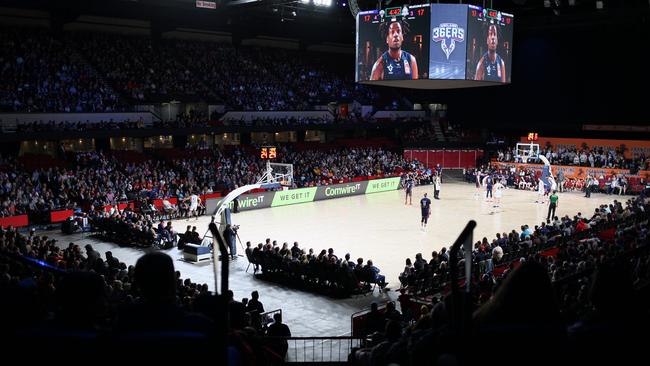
[(155, 277), (525, 297)]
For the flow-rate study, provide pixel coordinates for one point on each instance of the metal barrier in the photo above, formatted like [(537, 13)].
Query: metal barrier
[(320, 349), (357, 320), (267, 318)]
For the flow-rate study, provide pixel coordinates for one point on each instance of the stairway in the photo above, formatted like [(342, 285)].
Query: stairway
[(456, 175), (440, 137)]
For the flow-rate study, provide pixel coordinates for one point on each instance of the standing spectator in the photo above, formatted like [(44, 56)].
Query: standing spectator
[(279, 329)]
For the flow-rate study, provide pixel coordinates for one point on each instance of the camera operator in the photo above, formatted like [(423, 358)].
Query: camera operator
[(230, 236)]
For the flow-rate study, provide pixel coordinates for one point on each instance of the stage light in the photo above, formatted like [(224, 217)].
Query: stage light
[(599, 5), (304, 1)]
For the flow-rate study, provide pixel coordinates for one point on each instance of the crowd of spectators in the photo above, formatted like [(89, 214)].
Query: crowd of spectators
[(438, 130), (188, 120), (527, 178), (141, 69), (326, 272), (267, 79), (76, 294), (96, 179), (278, 122), (576, 285), (42, 74), (79, 72), (596, 157), (48, 126), (183, 120), (420, 134)]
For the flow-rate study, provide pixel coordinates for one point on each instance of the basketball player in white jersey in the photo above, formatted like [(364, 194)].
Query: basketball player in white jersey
[(194, 206), (498, 193), (540, 191)]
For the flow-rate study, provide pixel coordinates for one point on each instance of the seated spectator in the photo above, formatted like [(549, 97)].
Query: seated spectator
[(374, 275), (169, 209)]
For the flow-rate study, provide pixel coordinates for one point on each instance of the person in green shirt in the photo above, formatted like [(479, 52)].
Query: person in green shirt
[(552, 205)]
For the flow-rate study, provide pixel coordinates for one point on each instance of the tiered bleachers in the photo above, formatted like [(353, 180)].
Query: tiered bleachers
[(44, 74), (97, 179)]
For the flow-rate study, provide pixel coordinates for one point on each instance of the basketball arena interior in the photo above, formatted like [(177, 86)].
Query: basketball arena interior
[(363, 182)]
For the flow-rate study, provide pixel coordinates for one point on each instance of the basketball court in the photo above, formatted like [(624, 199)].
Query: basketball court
[(375, 226)]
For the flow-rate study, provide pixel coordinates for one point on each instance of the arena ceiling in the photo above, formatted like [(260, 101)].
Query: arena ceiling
[(316, 24)]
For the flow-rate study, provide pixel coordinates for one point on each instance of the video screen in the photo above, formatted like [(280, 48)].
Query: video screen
[(448, 46), (392, 44), (489, 47)]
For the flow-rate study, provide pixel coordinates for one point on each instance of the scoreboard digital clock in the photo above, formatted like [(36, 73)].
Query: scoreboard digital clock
[(492, 14), (268, 152), (393, 11)]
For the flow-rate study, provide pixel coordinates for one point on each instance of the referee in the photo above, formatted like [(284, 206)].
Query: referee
[(552, 206)]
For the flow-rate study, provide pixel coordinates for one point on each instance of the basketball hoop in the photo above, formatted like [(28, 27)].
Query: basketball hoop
[(525, 151), (278, 173)]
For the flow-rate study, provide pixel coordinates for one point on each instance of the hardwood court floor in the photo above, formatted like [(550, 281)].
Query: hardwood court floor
[(377, 226)]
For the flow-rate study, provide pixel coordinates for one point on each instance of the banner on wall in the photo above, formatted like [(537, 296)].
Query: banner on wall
[(341, 190), (293, 196), (301, 195), (634, 148), (247, 202), (383, 185), (254, 201)]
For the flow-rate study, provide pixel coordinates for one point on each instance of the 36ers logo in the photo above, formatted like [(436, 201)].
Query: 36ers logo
[(448, 34)]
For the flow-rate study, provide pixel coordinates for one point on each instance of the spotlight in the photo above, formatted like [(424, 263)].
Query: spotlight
[(599, 5), (293, 13)]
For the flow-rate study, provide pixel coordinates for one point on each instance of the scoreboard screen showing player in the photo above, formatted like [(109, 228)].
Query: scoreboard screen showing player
[(489, 52), (434, 46), (392, 44)]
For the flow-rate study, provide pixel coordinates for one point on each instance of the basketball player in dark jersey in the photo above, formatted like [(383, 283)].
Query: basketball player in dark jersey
[(408, 183), (395, 64), (491, 66), (425, 205), (488, 186)]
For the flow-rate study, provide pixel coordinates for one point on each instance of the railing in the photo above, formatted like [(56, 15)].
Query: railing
[(358, 319), (319, 349), (267, 317)]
